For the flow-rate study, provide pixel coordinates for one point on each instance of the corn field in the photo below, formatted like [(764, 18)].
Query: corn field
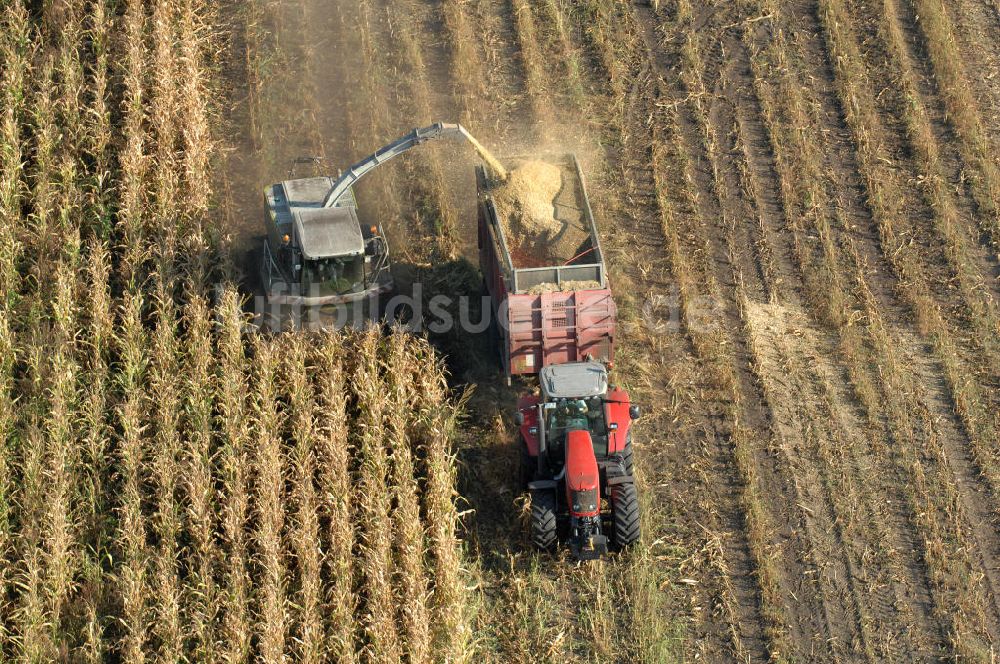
[(799, 203), (173, 487)]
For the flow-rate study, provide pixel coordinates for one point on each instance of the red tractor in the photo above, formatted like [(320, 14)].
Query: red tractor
[(577, 460)]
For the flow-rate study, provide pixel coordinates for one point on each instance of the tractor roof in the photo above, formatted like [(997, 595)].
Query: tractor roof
[(329, 232), (574, 381)]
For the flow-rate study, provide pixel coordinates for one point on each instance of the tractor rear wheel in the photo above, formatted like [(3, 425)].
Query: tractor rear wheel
[(543, 519), (625, 514)]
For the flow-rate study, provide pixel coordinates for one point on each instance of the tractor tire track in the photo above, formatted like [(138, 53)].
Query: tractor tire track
[(938, 400), (505, 82), (902, 613), (981, 520), (807, 472), (724, 506), (842, 164), (892, 576), (762, 180), (814, 619), (672, 442), (987, 262), (927, 244), (918, 233)]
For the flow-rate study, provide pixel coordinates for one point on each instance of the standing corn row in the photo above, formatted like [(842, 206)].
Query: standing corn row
[(13, 67), (435, 427), (99, 133), (195, 130), (164, 393), (132, 576), (42, 176), (26, 631), (46, 411), (32, 637), (305, 533), (95, 466), (163, 118), (231, 399), (374, 506), (132, 157), (335, 500), (60, 531), (201, 601), (7, 423), (269, 498), (963, 111), (407, 525)]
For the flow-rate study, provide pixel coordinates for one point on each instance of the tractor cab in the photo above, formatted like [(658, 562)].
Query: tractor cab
[(317, 255), (576, 451), (573, 400)]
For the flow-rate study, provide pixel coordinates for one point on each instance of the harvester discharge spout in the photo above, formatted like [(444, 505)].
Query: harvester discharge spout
[(416, 137)]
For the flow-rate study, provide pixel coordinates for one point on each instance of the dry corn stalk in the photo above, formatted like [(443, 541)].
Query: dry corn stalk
[(305, 533), (408, 529), (232, 407), (335, 499), (270, 507), (374, 504), (199, 487)]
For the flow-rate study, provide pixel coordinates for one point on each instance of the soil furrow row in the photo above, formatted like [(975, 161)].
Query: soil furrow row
[(910, 574), (777, 476), (935, 141), (504, 78), (804, 201), (941, 251), (761, 472)]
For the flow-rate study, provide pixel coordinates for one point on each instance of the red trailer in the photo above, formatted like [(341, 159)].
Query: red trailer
[(548, 314)]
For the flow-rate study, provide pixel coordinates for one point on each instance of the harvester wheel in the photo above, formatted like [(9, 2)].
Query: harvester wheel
[(543, 519), (625, 514)]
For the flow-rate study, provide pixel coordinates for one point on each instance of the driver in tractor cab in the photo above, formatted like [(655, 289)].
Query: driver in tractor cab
[(594, 414), (571, 415)]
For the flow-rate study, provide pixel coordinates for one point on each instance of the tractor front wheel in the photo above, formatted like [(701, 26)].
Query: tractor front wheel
[(627, 456), (625, 514), (543, 519)]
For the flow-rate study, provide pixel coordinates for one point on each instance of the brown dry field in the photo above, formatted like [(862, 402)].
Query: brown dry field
[(799, 201)]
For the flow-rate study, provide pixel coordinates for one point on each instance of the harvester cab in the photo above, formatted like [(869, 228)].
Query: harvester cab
[(317, 251), (577, 460), (319, 255)]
